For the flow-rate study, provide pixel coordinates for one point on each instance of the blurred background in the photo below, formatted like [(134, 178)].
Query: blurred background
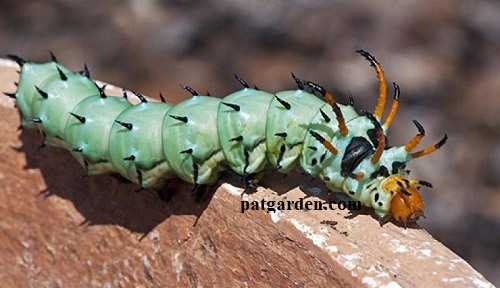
[(444, 55)]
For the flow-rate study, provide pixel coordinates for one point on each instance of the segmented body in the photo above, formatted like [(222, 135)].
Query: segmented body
[(246, 132)]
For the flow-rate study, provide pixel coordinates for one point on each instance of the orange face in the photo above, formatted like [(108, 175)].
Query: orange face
[(407, 206)]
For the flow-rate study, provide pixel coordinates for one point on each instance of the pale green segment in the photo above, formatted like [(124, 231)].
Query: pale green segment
[(294, 122), (93, 135), (63, 96), (144, 142), (249, 122), (327, 130), (32, 74), (199, 133), (363, 188)]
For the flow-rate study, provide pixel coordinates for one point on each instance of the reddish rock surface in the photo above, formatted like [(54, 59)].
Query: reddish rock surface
[(59, 229)]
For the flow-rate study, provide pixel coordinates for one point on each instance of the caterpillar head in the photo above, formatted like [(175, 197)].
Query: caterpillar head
[(407, 205)]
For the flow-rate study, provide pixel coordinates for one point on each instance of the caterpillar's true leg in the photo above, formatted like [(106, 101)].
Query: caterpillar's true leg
[(200, 192)]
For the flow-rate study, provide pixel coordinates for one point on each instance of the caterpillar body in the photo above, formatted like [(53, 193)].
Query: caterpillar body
[(245, 132)]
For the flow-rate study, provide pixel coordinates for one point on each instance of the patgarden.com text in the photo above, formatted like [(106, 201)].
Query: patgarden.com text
[(301, 204)]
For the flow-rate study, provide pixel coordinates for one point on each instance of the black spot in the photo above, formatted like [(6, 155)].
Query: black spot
[(314, 162), (376, 197), (352, 192), (312, 148), (355, 152), (396, 165), (382, 171), (322, 158), (326, 178), (379, 203)]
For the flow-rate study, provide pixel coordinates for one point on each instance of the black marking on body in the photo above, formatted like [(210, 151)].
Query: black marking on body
[(187, 151), (282, 134), (129, 158), (382, 171), (195, 172), (322, 158), (355, 152), (236, 139), (396, 165), (280, 156), (139, 177)]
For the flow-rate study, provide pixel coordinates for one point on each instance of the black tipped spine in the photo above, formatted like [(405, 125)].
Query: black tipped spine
[(101, 90), (283, 102), (397, 92), (325, 117), (129, 126), (162, 98), (78, 117), (187, 151), (190, 90), (300, 85), (420, 128), (86, 71), (183, 119), (11, 95), (369, 57), (53, 57), (315, 87), (20, 61), (62, 75), (234, 106), (140, 96), (41, 92), (242, 82), (442, 141)]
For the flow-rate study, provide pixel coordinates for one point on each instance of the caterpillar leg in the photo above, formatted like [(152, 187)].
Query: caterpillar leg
[(200, 192), (251, 182)]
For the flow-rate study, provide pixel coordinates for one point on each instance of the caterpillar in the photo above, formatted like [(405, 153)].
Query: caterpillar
[(245, 132)]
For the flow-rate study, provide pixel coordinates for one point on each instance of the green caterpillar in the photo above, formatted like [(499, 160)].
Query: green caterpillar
[(245, 132)]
